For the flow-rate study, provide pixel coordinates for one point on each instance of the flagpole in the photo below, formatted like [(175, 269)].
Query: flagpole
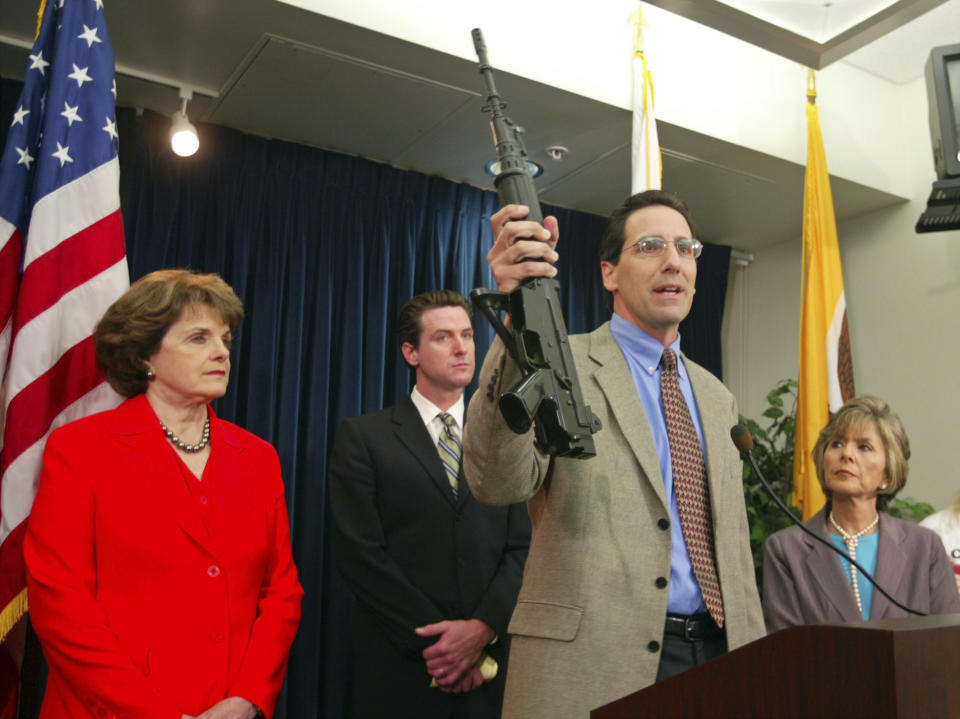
[(646, 161)]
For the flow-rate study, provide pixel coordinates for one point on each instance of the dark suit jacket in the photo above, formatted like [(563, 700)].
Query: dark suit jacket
[(803, 582), (414, 555), (143, 609)]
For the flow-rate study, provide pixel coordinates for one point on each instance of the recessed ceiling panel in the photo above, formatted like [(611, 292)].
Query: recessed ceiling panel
[(814, 33), (903, 53), (460, 145), (308, 95), (818, 20)]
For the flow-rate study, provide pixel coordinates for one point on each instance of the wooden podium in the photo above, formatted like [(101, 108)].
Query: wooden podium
[(894, 668)]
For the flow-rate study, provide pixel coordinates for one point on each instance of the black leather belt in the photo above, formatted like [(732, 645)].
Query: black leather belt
[(696, 627)]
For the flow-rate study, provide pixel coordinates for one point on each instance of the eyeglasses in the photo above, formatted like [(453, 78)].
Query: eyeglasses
[(686, 247)]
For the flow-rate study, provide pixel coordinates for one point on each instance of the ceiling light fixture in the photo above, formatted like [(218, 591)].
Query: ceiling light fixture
[(183, 135)]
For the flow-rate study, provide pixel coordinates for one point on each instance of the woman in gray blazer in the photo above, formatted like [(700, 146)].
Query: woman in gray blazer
[(862, 462)]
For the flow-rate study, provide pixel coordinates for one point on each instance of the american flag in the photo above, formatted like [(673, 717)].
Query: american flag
[(62, 258)]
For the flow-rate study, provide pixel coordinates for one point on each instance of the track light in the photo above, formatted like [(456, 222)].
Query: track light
[(183, 135)]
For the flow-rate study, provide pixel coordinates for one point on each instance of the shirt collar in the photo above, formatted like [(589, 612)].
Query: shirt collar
[(429, 411), (645, 350)]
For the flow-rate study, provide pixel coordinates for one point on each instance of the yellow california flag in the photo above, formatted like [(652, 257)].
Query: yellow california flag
[(826, 370)]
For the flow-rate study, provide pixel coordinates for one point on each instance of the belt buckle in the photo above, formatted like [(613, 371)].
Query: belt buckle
[(688, 624)]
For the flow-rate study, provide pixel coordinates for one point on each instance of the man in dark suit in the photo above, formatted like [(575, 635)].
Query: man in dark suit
[(435, 573)]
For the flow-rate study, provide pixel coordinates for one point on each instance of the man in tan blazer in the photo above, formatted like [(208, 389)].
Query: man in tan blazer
[(610, 600)]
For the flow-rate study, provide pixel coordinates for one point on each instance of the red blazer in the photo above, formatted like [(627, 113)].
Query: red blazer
[(141, 611)]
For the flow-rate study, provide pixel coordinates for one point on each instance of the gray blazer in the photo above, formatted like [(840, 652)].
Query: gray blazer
[(803, 582), (589, 619)]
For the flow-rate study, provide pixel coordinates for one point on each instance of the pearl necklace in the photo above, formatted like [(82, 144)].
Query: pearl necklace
[(180, 444), (852, 540)]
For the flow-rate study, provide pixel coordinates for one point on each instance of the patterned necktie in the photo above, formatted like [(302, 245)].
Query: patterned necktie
[(449, 448), (690, 486)]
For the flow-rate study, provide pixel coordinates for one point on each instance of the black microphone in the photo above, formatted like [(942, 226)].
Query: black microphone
[(744, 443)]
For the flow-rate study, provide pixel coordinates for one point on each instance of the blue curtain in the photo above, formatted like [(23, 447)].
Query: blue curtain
[(323, 249)]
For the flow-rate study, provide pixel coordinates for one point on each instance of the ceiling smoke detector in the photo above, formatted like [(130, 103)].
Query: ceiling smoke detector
[(557, 152)]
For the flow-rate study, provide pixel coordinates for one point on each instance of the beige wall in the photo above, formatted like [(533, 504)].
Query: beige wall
[(903, 298), (903, 295), (760, 325)]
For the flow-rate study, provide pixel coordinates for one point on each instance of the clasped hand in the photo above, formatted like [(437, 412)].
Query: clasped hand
[(453, 659)]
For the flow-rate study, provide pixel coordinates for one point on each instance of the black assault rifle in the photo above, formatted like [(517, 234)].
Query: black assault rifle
[(549, 394)]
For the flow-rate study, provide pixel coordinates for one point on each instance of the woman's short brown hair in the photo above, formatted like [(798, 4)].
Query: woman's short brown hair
[(862, 410), (131, 330)]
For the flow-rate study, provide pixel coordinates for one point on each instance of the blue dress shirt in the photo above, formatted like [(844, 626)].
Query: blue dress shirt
[(643, 353)]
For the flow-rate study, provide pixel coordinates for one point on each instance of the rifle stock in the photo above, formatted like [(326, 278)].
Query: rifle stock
[(549, 396)]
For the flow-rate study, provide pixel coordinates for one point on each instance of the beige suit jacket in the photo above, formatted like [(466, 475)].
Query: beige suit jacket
[(589, 618)]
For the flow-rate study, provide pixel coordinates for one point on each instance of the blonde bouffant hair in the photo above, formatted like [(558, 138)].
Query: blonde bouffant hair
[(867, 409)]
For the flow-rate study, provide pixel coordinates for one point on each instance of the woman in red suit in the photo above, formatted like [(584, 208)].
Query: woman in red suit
[(159, 571)]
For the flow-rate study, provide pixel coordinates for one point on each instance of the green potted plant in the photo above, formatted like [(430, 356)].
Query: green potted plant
[(773, 451)]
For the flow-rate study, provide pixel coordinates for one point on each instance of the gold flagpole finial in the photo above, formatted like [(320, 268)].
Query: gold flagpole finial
[(639, 22), (811, 87)]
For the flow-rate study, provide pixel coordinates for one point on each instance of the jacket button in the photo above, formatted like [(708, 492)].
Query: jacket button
[(654, 646), (664, 524), (661, 582), (213, 571)]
